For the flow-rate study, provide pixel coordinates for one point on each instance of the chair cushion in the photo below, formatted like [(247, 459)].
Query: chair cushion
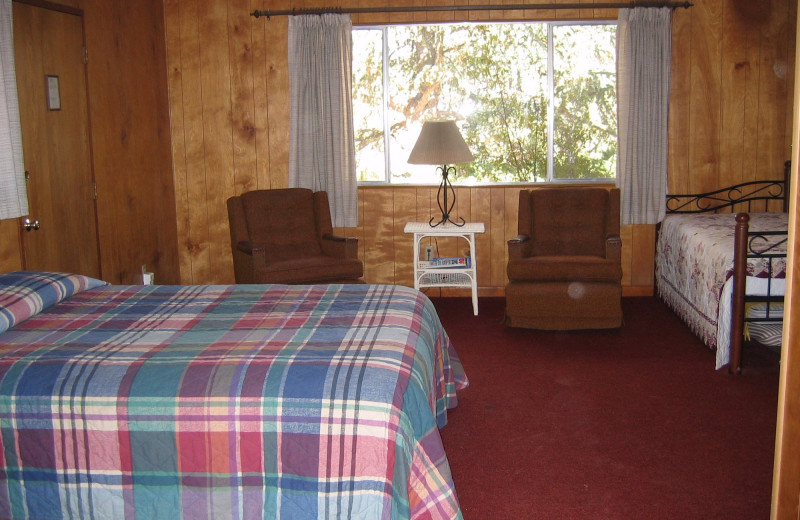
[(317, 269), (568, 221), (283, 221), (564, 268)]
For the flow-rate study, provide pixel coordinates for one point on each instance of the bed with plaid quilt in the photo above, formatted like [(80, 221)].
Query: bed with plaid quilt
[(212, 402)]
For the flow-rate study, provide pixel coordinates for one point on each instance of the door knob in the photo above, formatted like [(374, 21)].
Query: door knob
[(28, 224)]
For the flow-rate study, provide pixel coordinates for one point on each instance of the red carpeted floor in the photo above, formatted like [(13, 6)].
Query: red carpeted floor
[(627, 424)]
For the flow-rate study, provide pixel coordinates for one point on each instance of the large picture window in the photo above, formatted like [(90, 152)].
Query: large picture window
[(535, 102)]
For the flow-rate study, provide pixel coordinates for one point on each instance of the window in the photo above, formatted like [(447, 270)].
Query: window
[(534, 101)]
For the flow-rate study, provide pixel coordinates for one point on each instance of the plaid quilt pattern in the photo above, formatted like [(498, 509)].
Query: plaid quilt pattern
[(210, 402), (26, 293)]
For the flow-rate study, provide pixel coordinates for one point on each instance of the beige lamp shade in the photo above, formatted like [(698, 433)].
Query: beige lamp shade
[(439, 143)]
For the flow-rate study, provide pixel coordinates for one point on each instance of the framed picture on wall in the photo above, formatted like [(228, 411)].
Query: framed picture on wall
[(53, 93)]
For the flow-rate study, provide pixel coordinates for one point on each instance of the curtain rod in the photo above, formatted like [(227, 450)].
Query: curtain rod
[(500, 7)]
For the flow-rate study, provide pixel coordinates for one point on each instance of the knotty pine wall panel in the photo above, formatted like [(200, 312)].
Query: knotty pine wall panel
[(481, 208), (731, 93), (404, 209), (10, 252), (242, 97), (129, 117), (736, 93), (496, 227), (219, 126), (378, 235), (728, 122), (177, 69), (704, 101), (680, 117), (129, 114)]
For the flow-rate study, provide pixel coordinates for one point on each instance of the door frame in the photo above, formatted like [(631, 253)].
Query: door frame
[(52, 6)]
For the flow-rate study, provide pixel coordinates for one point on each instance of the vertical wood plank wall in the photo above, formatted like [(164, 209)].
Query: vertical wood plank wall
[(129, 118), (129, 115), (10, 251), (733, 64), (228, 88)]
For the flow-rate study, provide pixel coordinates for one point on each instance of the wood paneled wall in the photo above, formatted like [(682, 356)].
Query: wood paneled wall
[(129, 114), (131, 153), (731, 94), (228, 89), (10, 252), (388, 251)]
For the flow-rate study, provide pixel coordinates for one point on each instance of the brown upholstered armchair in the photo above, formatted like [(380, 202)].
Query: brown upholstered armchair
[(285, 236), (564, 268)]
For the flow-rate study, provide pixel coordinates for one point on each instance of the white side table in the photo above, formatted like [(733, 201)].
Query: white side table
[(425, 276)]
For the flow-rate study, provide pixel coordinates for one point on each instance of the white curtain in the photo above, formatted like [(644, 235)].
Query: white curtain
[(13, 197), (644, 39), (322, 149)]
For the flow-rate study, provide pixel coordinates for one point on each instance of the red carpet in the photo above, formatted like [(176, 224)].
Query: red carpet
[(627, 424)]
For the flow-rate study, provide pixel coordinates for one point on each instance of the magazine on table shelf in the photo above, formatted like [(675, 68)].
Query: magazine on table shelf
[(451, 261)]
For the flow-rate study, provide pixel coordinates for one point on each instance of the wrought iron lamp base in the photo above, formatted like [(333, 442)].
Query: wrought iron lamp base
[(446, 206)]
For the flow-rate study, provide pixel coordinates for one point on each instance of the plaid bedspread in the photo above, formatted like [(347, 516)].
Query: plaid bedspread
[(211, 402)]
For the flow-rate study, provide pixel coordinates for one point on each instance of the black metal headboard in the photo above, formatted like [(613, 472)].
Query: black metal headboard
[(741, 196)]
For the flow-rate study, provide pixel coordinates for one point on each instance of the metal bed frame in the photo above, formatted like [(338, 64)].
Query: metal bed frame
[(745, 197)]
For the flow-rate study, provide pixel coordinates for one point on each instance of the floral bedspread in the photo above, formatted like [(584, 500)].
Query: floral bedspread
[(694, 258)]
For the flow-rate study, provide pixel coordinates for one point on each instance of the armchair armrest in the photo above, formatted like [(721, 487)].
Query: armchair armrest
[(339, 247), (614, 248), (249, 248), (519, 246), (249, 262)]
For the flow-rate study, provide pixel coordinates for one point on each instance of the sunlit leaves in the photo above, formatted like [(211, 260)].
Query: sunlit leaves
[(492, 78)]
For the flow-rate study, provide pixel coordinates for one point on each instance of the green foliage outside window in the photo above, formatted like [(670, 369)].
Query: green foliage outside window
[(495, 79)]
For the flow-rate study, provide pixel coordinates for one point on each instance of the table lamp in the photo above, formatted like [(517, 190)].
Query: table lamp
[(440, 143)]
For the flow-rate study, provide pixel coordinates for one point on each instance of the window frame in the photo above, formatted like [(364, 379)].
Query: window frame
[(550, 108)]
